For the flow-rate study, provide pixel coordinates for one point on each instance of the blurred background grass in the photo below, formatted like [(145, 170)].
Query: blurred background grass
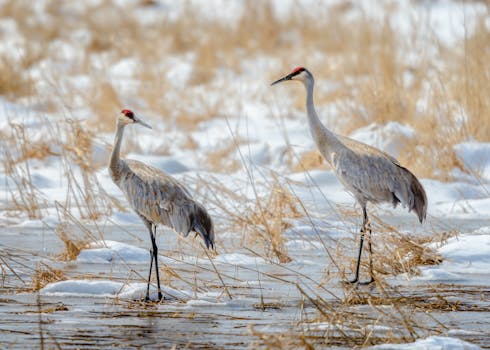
[(66, 55)]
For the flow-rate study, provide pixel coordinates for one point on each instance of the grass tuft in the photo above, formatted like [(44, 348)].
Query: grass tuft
[(44, 275)]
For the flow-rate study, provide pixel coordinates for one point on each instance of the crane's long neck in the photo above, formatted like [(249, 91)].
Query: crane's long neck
[(115, 163), (326, 140)]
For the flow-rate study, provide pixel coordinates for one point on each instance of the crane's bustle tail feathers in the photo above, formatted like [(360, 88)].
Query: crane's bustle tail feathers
[(420, 198), (202, 224), (205, 237), (411, 194)]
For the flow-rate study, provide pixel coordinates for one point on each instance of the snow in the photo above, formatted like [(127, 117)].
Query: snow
[(476, 157), (431, 343), (465, 258), (110, 289), (262, 129), (391, 137), (239, 259), (171, 165), (112, 252)]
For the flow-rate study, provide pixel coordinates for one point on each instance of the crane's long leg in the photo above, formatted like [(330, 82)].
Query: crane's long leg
[(370, 246), (155, 257), (149, 226), (366, 227), (358, 264), (147, 298)]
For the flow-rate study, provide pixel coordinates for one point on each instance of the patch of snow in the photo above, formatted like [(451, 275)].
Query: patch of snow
[(112, 251), (170, 165), (103, 288), (391, 137), (199, 302), (465, 258), (124, 69), (238, 259), (83, 288), (303, 245), (431, 343), (476, 157)]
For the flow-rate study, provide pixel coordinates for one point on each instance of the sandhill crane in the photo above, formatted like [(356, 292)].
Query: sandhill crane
[(368, 173), (156, 197)]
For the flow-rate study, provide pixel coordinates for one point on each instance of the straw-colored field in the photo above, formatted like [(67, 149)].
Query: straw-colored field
[(409, 77)]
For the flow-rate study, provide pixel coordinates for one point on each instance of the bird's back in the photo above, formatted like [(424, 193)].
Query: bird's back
[(374, 176), (156, 196)]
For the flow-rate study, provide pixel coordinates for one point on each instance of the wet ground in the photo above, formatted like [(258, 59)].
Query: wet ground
[(266, 299)]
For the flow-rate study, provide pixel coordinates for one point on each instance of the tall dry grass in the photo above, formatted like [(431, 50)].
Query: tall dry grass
[(361, 69), (367, 60)]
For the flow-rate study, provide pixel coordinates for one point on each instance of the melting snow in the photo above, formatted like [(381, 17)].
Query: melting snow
[(96, 288), (464, 256), (431, 343), (391, 137), (111, 251)]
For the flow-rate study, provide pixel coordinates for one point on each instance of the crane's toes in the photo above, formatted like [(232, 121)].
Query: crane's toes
[(354, 281), (365, 283), (357, 282)]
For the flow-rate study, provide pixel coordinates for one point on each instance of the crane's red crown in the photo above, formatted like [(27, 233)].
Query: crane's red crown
[(298, 70), (128, 113)]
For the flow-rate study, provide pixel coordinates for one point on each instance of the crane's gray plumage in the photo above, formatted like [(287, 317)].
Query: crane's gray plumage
[(368, 173), (157, 197)]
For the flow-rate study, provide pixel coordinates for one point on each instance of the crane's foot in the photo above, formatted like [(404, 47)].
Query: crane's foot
[(357, 282), (354, 281), (365, 283)]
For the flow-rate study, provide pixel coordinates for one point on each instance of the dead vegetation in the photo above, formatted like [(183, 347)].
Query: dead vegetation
[(402, 253), (44, 275), (73, 244), (366, 62), (268, 220), (446, 104)]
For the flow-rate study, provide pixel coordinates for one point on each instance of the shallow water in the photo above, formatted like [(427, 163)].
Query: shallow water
[(265, 298)]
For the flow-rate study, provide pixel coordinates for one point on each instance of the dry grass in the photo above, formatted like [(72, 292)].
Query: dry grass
[(25, 197), (73, 245), (372, 82), (404, 253), (366, 59), (44, 275), (13, 80), (223, 159), (310, 160), (267, 220)]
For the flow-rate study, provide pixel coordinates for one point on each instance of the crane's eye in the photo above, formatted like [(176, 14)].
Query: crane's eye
[(130, 115)]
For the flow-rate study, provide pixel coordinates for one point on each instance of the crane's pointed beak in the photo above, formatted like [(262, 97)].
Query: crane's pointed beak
[(208, 240), (139, 121), (287, 77)]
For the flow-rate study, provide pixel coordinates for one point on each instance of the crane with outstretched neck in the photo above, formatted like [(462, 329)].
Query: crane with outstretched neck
[(368, 173)]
